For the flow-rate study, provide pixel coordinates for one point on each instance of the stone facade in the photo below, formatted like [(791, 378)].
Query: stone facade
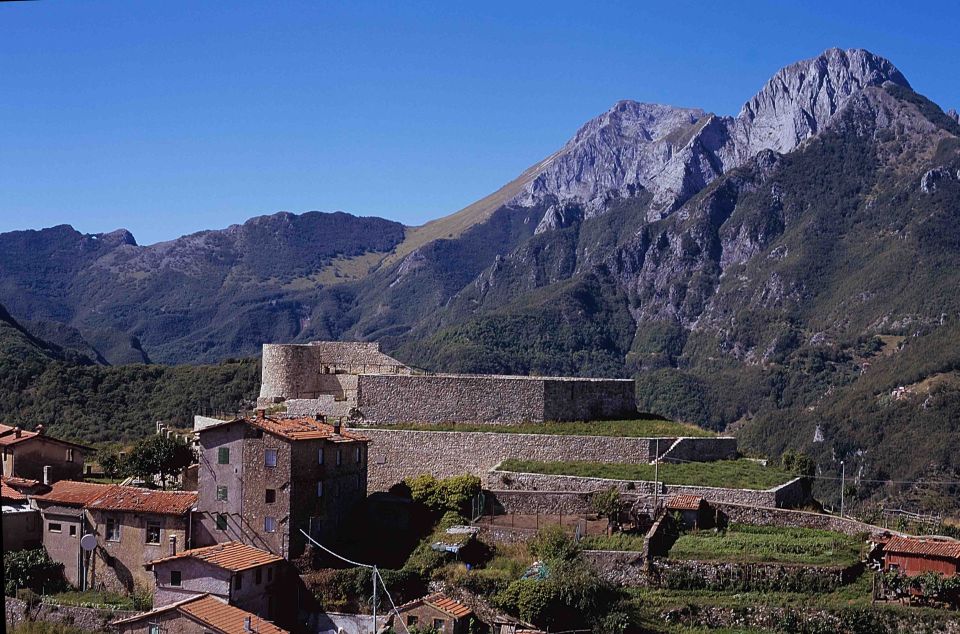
[(357, 380), (304, 493), (765, 516), (119, 565), (791, 492), (26, 453), (85, 619), (398, 454)]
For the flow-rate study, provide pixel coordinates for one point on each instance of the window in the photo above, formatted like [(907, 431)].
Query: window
[(113, 530), (176, 578), (69, 455), (316, 527), (154, 628), (238, 581), (73, 530), (221, 494), (270, 457), (320, 455), (359, 480), (223, 455), (270, 496), (269, 574), (221, 522), (412, 620), (358, 455), (438, 624), (258, 576), (153, 533), (270, 524), (320, 489), (54, 528), (339, 456)]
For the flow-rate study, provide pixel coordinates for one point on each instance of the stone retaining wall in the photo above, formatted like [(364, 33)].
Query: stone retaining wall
[(764, 516), (789, 493), (89, 619), (397, 454)]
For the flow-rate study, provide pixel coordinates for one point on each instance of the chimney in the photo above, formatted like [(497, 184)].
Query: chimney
[(248, 624), (159, 426), (47, 480), (320, 418), (40, 430), (261, 413), (337, 425), (173, 545), (17, 431)]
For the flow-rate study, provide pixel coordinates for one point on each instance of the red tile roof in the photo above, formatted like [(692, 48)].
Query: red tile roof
[(133, 499), (72, 493), (930, 547), (441, 602), (8, 436), (114, 497), (212, 613), (304, 428), (232, 556), (684, 502), (9, 493)]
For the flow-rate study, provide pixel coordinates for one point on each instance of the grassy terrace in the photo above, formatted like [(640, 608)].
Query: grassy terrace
[(639, 428), (769, 544), (734, 474)]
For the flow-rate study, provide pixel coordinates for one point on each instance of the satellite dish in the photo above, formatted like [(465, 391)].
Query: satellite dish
[(88, 542)]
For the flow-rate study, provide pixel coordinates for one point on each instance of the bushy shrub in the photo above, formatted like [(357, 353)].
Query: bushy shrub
[(33, 569)]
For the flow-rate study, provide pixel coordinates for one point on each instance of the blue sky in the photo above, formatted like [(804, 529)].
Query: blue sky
[(170, 117)]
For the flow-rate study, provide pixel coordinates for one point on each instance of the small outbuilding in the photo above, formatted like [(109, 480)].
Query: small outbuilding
[(693, 510), (913, 556), (438, 612)]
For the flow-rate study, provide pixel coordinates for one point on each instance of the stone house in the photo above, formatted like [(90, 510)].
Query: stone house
[(133, 527), (913, 556), (21, 522), (244, 576), (26, 454), (201, 614), (436, 611), (693, 510), (264, 479)]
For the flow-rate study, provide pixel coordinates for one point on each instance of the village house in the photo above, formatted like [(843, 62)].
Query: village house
[(21, 522), (264, 479), (436, 611), (133, 527), (244, 576), (34, 455), (202, 614), (913, 556), (692, 510)]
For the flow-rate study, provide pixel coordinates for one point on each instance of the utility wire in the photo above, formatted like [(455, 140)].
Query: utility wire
[(376, 574)]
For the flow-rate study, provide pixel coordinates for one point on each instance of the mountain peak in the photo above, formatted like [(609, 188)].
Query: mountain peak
[(800, 98)]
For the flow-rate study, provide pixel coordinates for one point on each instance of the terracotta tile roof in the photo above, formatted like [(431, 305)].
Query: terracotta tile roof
[(441, 602), (7, 492), (212, 613), (134, 499), (8, 436), (72, 493), (929, 547), (305, 428), (21, 482), (684, 502), (232, 556)]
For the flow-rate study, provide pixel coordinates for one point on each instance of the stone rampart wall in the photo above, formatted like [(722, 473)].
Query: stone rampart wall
[(701, 450), (398, 454), (386, 399)]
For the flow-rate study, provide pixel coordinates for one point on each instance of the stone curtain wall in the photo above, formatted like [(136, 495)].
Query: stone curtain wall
[(87, 619), (506, 480), (385, 399), (398, 454), (761, 516), (700, 449)]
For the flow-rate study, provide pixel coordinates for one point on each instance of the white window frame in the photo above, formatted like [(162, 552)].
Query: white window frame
[(269, 524), (107, 532), (146, 533), (320, 455), (271, 451), (51, 529), (319, 488), (339, 456)]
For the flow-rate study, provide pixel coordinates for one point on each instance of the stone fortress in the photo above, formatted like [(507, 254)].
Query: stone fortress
[(357, 381)]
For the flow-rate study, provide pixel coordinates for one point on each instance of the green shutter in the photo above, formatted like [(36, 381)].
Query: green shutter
[(223, 455)]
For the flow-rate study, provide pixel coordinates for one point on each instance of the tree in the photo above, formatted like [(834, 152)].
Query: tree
[(111, 463), (608, 504), (449, 494), (160, 456), (33, 569)]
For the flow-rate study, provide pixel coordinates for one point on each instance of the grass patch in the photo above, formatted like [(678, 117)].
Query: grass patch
[(639, 428), (75, 597), (734, 474), (769, 544)]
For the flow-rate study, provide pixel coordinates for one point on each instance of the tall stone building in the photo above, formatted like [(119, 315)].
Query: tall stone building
[(264, 479)]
